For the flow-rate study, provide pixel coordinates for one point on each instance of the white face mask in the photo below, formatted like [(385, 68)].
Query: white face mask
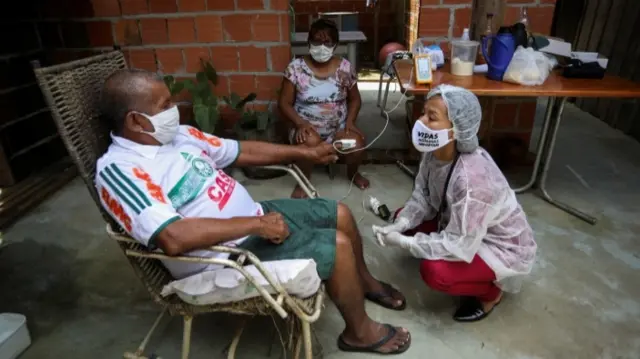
[(321, 53), (166, 125), (427, 140)]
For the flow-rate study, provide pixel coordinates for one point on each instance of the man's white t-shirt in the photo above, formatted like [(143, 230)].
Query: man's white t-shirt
[(146, 188)]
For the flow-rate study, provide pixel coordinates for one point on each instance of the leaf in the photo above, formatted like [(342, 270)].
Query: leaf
[(202, 78), (263, 121), (189, 85), (203, 90), (169, 80), (235, 100), (250, 97), (212, 101), (202, 117), (177, 88), (226, 99), (210, 72), (214, 117)]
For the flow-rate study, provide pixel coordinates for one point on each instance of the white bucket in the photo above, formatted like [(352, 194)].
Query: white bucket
[(14, 335)]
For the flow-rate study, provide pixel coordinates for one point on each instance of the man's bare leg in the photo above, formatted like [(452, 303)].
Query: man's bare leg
[(345, 289), (347, 225)]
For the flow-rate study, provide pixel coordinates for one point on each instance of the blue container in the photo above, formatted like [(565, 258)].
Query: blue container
[(503, 46)]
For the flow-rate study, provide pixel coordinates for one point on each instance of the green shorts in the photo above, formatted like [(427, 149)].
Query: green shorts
[(312, 227)]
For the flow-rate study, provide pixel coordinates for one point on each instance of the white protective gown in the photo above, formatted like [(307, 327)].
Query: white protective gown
[(482, 217)]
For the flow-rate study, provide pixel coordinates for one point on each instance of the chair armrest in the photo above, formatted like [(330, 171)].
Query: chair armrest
[(243, 255), (302, 180)]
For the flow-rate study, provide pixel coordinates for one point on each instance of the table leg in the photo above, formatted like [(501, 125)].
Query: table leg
[(351, 54), (540, 148), (542, 180)]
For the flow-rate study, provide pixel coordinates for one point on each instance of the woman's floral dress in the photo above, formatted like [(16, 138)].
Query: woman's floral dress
[(322, 102)]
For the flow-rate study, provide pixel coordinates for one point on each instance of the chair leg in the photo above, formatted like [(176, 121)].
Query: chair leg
[(140, 351), (383, 106), (236, 339), (306, 335), (382, 72), (186, 336)]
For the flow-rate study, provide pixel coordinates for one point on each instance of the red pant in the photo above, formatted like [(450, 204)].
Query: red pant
[(473, 279)]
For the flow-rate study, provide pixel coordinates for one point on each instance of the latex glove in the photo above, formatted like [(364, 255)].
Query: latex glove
[(400, 225), (395, 239)]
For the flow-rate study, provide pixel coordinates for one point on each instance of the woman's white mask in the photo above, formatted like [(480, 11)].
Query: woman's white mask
[(321, 53), (166, 125), (427, 140)]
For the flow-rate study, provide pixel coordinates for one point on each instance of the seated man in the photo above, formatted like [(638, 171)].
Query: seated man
[(162, 182)]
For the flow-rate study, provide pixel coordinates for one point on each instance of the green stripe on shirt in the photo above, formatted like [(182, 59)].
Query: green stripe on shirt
[(131, 184), (115, 189)]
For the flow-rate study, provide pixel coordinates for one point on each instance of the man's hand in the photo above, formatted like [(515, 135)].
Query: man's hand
[(273, 227), (324, 153), (303, 132)]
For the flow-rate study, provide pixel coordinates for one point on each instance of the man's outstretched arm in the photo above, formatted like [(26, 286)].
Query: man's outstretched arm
[(254, 153)]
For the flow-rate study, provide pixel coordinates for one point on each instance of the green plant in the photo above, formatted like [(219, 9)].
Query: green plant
[(206, 105)]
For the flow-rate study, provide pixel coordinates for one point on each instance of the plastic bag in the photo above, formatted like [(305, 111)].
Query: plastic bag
[(528, 67)]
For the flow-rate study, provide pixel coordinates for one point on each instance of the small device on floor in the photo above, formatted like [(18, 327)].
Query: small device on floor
[(379, 209), (345, 144)]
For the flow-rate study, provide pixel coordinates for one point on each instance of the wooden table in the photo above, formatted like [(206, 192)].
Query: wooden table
[(557, 88), (348, 44)]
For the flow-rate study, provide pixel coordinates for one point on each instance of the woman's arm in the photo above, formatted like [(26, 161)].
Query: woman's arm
[(354, 102), (417, 208), (286, 101), (467, 227)]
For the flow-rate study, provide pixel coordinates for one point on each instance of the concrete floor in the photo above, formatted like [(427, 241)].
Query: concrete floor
[(581, 301)]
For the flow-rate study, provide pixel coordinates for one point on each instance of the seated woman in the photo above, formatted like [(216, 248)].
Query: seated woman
[(321, 100), (476, 241)]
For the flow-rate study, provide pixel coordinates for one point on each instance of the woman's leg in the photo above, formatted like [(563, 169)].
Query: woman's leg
[(354, 160), (473, 281), (306, 167)]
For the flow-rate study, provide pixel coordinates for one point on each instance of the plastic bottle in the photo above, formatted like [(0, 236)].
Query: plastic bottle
[(381, 210), (524, 17), (465, 35)]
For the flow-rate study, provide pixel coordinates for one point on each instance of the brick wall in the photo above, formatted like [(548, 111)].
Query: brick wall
[(247, 41), (388, 26), (443, 20)]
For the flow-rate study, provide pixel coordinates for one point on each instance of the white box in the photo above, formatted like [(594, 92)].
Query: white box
[(14, 335), (557, 47), (591, 57)]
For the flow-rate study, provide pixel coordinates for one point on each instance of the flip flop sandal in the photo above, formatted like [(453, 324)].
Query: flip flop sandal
[(471, 310), (373, 348), (387, 293)]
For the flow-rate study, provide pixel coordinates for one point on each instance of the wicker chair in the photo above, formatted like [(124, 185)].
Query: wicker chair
[(71, 91)]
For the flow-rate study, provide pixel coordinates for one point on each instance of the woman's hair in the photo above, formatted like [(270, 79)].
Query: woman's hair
[(324, 25)]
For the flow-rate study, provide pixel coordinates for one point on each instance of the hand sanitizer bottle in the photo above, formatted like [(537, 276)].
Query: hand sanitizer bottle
[(465, 35)]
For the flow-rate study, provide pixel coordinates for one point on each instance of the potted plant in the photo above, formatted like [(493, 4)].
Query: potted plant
[(258, 126), (227, 116), (207, 109)]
